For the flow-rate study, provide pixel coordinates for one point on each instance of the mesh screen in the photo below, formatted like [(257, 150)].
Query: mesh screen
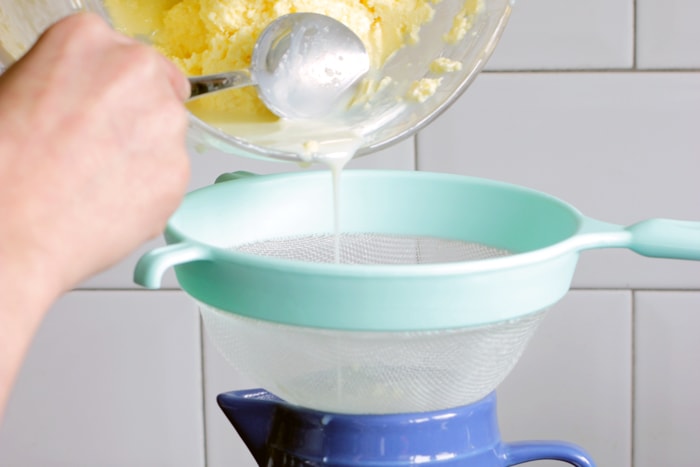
[(371, 372), (372, 248)]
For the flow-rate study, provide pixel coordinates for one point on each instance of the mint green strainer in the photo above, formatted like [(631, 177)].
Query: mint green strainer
[(425, 300)]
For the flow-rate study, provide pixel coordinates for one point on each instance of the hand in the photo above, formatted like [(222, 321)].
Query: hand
[(92, 153), (92, 163)]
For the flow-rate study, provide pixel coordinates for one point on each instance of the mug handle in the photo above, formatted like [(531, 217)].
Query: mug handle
[(528, 451)]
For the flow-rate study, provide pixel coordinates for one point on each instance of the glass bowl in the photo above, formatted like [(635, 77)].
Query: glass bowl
[(392, 111)]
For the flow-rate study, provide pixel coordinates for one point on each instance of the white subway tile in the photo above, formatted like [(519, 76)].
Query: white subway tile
[(667, 34), (112, 379), (667, 404), (621, 147), (560, 34), (574, 380)]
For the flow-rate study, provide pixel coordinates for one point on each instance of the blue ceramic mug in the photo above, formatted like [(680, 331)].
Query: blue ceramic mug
[(279, 434)]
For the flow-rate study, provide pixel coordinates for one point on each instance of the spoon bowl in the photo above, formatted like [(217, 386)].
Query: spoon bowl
[(305, 65)]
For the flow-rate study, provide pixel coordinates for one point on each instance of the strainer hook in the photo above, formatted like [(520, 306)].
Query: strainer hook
[(151, 267)]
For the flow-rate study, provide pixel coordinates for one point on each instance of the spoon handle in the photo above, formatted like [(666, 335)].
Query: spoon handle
[(212, 83)]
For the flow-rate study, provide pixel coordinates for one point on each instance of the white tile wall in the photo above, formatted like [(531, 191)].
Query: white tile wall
[(113, 379), (571, 104), (667, 405), (668, 34), (566, 34)]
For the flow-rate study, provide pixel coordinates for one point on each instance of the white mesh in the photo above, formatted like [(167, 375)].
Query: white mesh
[(372, 248), (371, 372)]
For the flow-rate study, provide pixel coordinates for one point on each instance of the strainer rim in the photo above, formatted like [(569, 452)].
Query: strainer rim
[(569, 244), (514, 260)]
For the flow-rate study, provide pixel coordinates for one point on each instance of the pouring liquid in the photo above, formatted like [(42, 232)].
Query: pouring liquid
[(331, 144), (336, 162)]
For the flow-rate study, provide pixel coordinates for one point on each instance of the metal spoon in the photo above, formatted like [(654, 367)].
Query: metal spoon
[(305, 65)]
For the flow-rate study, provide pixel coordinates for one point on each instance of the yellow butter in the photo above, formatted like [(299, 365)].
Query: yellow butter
[(422, 89), (445, 65), (212, 36)]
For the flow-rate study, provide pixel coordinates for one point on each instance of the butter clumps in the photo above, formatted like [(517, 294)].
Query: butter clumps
[(445, 65), (422, 89), (464, 20), (213, 36)]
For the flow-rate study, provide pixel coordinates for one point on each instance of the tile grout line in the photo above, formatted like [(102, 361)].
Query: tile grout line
[(634, 34), (635, 289), (416, 159), (633, 375), (205, 451)]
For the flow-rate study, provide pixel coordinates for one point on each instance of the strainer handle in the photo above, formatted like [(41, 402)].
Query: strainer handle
[(528, 451), (658, 238), (666, 238), (151, 267)]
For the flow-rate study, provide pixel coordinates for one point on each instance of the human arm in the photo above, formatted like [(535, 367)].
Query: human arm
[(92, 163)]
